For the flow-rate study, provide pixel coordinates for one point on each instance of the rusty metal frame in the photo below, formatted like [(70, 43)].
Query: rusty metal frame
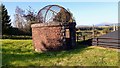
[(49, 6)]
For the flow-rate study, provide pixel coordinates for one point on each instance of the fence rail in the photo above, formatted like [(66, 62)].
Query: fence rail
[(80, 36), (107, 42)]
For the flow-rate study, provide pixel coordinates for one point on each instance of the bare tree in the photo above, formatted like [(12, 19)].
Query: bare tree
[(30, 19), (19, 19), (24, 19)]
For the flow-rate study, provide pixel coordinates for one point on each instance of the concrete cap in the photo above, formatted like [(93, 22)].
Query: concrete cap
[(53, 24)]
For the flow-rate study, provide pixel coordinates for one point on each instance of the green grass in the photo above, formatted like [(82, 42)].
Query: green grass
[(21, 53), (16, 37)]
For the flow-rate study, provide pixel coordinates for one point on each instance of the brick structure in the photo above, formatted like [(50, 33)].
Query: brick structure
[(55, 29), (47, 36), (50, 37)]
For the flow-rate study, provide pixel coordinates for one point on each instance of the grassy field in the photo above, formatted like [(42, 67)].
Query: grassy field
[(21, 53)]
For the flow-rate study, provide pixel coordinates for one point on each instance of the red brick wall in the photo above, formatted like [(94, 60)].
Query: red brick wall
[(47, 38)]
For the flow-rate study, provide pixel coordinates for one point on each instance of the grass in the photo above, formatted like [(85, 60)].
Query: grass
[(16, 37), (21, 53)]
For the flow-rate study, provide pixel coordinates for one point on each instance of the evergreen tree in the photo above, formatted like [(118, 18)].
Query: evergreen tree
[(6, 25)]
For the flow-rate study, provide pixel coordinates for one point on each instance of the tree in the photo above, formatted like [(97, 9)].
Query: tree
[(0, 21), (19, 19), (64, 16), (30, 16), (72, 18), (24, 19), (6, 25)]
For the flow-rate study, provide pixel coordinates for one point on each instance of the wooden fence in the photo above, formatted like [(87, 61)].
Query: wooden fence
[(107, 42), (79, 36)]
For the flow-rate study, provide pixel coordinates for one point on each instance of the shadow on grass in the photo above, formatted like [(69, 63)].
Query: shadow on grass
[(19, 55), (86, 42)]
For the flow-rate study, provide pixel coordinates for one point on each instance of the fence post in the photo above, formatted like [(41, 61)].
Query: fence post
[(93, 31), (77, 36), (83, 38), (97, 41)]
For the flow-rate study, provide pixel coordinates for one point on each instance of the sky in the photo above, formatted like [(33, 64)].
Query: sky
[(85, 13)]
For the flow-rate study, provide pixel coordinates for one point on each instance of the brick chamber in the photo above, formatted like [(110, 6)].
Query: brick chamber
[(47, 37)]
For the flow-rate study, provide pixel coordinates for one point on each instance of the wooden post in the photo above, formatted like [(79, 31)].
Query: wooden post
[(77, 36), (97, 41), (84, 38), (93, 31), (114, 27), (72, 33)]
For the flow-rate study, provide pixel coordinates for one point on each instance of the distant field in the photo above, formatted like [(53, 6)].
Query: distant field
[(21, 53)]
